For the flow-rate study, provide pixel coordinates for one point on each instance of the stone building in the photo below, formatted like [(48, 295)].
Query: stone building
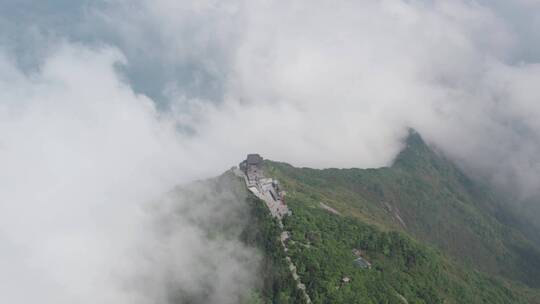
[(252, 167)]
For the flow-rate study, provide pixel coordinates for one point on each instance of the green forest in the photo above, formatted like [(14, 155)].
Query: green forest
[(431, 235)]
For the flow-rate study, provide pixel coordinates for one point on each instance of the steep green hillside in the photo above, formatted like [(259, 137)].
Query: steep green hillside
[(322, 244), (403, 270), (422, 195), (430, 234)]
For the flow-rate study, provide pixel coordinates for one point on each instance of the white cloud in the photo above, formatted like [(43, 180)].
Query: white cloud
[(314, 83), (80, 156)]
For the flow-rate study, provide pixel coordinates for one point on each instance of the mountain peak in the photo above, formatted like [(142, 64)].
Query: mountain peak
[(415, 153), (414, 138)]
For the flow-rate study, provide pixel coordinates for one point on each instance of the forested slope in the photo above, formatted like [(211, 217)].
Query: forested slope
[(421, 209), (429, 233)]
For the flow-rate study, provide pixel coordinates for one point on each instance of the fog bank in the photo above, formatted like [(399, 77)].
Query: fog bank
[(105, 106)]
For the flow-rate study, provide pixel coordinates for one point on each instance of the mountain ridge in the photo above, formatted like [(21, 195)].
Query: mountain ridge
[(429, 233), (426, 189), (426, 196)]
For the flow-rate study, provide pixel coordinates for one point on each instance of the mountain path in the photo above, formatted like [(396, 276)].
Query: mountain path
[(265, 189)]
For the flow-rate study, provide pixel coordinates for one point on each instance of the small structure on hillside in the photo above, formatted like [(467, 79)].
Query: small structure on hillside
[(360, 260), (362, 263)]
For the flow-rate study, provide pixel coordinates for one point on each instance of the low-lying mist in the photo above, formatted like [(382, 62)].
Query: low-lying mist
[(105, 106), (90, 212)]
